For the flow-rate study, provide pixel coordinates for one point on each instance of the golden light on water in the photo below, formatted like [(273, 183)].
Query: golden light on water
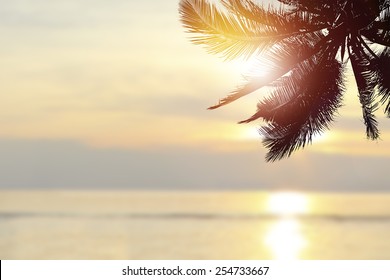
[(285, 238), (288, 203)]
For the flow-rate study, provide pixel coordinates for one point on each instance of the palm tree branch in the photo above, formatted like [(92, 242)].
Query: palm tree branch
[(288, 63), (286, 91), (284, 21), (364, 44), (230, 35), (383, 81), (298, 43), (283, 139), (379, 31), (284, 64), (257, 13), (323, 10), (302, 105), (291, 88), (365, 79), (310, 110)]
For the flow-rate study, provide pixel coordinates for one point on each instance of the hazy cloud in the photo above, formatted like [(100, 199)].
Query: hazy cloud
[(58, 164)]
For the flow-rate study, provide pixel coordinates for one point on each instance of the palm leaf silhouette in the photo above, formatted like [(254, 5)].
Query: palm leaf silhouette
[(306, 45)]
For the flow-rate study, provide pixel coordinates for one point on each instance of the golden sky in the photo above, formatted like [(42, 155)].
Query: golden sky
[(122, 75)]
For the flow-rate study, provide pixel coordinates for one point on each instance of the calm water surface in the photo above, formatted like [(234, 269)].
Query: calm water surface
[(193, 225)]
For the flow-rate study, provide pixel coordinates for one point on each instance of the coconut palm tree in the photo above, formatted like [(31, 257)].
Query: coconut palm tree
[(306, 46)]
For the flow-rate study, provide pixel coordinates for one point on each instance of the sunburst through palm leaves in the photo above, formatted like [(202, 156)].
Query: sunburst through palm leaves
[(305, 45)]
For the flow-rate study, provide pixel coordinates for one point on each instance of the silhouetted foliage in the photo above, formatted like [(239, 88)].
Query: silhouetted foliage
[(305, 45)]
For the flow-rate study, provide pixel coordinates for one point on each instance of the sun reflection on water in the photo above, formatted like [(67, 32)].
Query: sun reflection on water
[(288, 204), (285, 238)]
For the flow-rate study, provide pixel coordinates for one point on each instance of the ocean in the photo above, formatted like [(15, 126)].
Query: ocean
[(169, 225)]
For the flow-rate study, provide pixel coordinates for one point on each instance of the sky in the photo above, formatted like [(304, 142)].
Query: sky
[(111, 94)]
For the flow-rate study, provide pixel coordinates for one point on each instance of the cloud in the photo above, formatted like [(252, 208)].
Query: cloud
[(65, 164), (75, 14)]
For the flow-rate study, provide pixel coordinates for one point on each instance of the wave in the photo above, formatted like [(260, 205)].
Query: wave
[(195, 216)]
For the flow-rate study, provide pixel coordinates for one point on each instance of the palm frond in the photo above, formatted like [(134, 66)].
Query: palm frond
[(323, 9), (257, 13), (284, 21), (383, 79), (365, 76), (279, 60), (282, 141), (308, 5), (384, 4), (379, 31), (304, 45), (342, 49), (226, 34), (287, 92), (308, 109)]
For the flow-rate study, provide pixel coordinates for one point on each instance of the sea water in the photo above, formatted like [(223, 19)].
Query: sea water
[(193, 225)]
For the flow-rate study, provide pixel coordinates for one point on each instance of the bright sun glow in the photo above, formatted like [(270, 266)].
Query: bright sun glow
[(250, 133), (249, 67), (285, 240), (287, 203), (320, 137)]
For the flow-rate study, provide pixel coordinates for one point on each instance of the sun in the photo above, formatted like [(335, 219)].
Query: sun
[(288, 203), (249, 67), (320, 137)]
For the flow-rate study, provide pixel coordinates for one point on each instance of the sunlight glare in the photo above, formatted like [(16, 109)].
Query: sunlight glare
[(288, 203), (320, 137), (248, 67), (250, 133), (285, 239)]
